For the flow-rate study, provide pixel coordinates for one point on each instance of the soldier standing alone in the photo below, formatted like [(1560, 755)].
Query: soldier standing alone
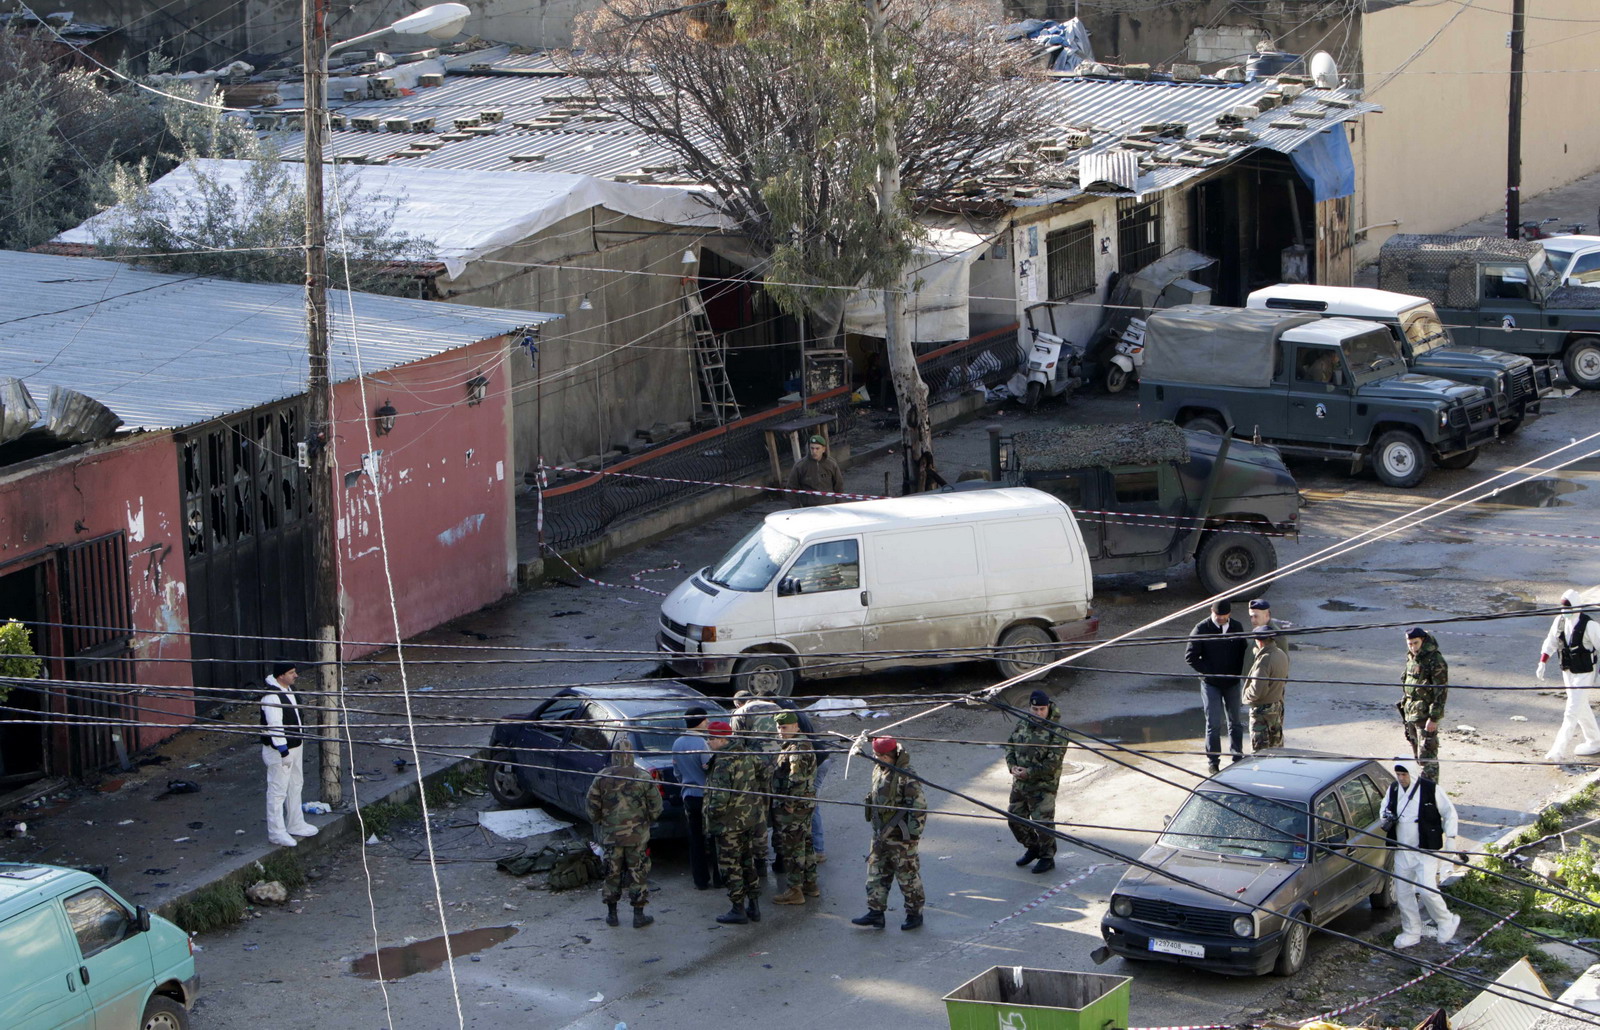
[(897, 812), (1426, 678), (736, 819), (817, 471), (794, 790), (1034, 753), (623, 802)]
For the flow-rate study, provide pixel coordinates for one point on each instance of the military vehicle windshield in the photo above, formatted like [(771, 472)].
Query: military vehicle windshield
[(1423, 329), (1372, 351)]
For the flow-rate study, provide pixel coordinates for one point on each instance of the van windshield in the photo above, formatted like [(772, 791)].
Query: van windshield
[(1423, 329), (754, 560), (1222, 822)]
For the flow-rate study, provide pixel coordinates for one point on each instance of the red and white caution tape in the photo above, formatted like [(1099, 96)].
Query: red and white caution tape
[(1414, 980), (601, 582), (704, 482), (1053, 891)]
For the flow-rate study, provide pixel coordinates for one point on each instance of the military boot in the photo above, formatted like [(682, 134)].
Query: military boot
[(873, 918), (752, 908), (1027, 856), (793, 896), (913, 919), (640, 919), (733, 915), (611, 913)]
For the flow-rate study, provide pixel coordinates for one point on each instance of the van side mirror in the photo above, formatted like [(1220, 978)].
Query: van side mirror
[(788, 586), (141, 919)]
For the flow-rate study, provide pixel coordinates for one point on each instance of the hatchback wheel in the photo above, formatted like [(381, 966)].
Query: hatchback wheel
[(1292, 956), (1384, 897), (504, 783)]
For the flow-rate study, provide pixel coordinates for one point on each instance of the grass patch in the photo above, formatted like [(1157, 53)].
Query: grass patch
[(462, 780), (223, 903)]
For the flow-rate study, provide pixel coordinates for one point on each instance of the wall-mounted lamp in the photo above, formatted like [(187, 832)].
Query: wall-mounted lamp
[(584, 304), (383, 419), (689, 257), (477, 389)]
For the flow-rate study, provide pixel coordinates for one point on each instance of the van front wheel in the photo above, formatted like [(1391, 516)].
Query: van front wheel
[(162, 1013), (764, 674), (1024, 648)]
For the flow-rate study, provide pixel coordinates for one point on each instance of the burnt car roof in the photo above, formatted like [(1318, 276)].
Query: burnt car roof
[(1288, 773)]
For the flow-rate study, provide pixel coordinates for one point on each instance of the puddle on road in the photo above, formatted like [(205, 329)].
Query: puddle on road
[(1334, 605), (1421, 573), (421, 956), (1512, 601), (1535, 493), (1148, 729)]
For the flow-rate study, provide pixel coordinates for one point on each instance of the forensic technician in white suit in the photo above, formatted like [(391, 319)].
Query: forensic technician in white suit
[(1574, 640), (1424, 821), (281, 738)]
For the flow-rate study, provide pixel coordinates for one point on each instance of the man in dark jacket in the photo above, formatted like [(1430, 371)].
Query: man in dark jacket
[(816, 471), (1217, 652)]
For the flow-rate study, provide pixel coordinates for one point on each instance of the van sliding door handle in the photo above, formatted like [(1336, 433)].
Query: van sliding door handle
[(866, 598)]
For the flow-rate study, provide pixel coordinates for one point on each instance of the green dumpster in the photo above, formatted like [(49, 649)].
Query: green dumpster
[(1016, 998)]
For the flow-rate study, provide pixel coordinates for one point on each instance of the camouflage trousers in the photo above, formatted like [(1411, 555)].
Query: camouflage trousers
[(1266, 726), (738, 851), (793, 840), (1426, 746), (627, 864), (894, 858), (1037, 801)]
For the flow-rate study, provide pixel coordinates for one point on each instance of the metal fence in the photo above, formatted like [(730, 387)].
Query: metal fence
[(581, 510)]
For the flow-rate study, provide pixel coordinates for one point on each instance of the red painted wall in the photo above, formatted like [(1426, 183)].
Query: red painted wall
[(444, 483), (131, 486)]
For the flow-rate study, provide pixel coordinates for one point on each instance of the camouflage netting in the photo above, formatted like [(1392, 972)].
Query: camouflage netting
[(1584, 298), (1120, 443), (1444, 269)]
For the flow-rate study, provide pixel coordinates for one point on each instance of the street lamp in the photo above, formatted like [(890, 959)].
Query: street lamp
[(440, 21)]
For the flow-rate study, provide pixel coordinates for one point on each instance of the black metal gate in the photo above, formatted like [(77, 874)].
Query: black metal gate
[(247, 509), (97, 634)]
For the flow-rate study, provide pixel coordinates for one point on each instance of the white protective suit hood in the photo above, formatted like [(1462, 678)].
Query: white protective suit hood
[(1572, 597), (1409, 766)]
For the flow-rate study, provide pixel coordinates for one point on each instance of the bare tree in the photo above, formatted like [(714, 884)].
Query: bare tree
[(781, 108)]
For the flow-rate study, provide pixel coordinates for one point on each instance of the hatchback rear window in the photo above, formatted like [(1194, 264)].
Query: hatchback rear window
[(1238, 824)]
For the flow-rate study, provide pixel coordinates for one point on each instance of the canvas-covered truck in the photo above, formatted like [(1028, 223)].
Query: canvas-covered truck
[(1500, 293), (1517, 383), (1333, 388), (1149, 495)]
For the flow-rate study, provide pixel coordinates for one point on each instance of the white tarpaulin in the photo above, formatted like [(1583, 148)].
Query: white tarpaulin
[(940, 277), (465, 213), (520, 823)]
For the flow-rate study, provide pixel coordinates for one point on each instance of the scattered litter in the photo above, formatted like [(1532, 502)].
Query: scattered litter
[(598, 998), (945, 858), (508, 907), (180, 840), (424, 690), (154, 872), (125, 822), (390, 740), (828, 707), (251, 947), (372, 839), (477, 958), (647, 961), (192, 765), (88, 822), (562, 615), (180, 787), (267, 892), (1519, 718), (238, 833), (518, 823), (1464, 728), (14, 827), (197, 826), (315, 808), (599, 852), (766, 965)]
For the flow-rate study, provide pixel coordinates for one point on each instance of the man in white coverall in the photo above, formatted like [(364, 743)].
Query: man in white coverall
[(1424, 821), (280, 751), (1574, 640)]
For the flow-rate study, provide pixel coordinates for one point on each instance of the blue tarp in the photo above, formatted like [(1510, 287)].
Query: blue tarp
[(1324, 161)]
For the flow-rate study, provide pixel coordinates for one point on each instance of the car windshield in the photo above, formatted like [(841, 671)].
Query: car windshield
[(754, 560), (1222, 822), (1371, 351), (1423, 329), (1559, 256)]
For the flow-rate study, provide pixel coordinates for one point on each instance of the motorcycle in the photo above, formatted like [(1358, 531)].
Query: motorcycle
[(1536, 230), (1051, 367), (1123, 367)]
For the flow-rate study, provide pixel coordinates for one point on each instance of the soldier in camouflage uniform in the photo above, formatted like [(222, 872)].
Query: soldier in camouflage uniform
[(1422, 707), (754, 721), (623, 802), (794, 798), (897, 812), (1034, 753), (1264, 680), (736, 819)]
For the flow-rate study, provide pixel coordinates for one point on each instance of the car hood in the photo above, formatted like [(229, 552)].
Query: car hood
[(1249, 881), (1420, 388), (1464, 355)]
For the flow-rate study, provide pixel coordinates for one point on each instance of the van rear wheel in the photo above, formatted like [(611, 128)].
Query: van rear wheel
[(769, 675), (162, 1013), (1030, 648)]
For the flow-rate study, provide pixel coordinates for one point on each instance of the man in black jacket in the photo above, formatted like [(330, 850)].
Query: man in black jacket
[(1220, 662)]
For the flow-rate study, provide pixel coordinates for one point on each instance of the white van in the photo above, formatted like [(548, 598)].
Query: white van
[(842, 589)]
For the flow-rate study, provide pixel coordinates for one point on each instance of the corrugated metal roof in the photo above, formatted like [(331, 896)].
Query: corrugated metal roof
[(165, 351)]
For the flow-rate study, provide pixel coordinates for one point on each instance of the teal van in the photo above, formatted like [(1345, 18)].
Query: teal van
[(78, 957)]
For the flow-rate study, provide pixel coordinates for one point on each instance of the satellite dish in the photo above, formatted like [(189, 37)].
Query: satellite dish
[(1324, 72)]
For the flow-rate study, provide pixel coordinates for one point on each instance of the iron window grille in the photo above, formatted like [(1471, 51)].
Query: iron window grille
[(1069, 255), (1138, 233)]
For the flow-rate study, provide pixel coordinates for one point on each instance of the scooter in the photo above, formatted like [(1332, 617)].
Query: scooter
[(1051, 368), (1123, 367)]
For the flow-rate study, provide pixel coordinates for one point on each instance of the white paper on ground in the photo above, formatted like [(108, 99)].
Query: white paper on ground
[(517, 823)]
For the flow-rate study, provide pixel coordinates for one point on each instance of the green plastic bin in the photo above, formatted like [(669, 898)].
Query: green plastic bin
[(1017, 998)]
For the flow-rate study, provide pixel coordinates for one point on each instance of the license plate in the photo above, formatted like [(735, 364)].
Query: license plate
[(1178, 948)]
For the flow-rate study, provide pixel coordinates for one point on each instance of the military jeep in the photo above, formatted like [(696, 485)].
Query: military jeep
[(1149, 495), (1333, 388), (1500, 293)]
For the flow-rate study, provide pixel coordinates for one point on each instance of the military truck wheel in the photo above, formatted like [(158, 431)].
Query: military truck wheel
[(1204, 424), (1459, 461), (764, 675), (1582, 363), (1400, 459), (1019, 661), (1035, 389), (1116, 379), (1512, 424), (1227, 560)]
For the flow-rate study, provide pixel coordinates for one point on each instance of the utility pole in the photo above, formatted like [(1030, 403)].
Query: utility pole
[(319, 408), (1514, 126)]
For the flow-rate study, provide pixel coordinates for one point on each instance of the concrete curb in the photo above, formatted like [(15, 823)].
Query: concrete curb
[(341, 828)]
